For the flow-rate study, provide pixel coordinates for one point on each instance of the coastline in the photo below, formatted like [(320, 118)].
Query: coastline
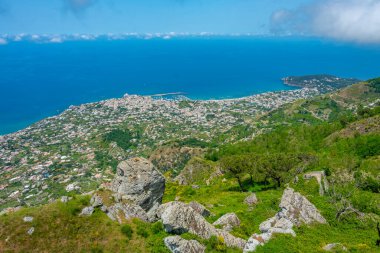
[(165, 96)]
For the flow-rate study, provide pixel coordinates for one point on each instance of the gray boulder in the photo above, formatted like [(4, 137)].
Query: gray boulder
[(256, 240), (228, 221), (295, 210), (138, 181), (298, 209), (176, 244), (65, 199), (199, 208), (96, 201), (179, 218), (30, 231), (28, 219), (251, 200), (87, 211), (127, 211), (334, 246), (278, 225)]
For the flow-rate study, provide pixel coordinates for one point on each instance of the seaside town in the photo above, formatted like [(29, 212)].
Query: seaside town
[(63, 153)]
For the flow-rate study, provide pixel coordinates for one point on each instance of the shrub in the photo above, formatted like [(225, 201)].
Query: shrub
[(127, 230), (157, 228), (141, 231)]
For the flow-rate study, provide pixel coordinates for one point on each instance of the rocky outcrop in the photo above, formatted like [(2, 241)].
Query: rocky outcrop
[(179, 218), (298, 209), (251, 200), (228, 221), (176, 244), (138, 181), (137, 192), (295, 210), (199, 208)]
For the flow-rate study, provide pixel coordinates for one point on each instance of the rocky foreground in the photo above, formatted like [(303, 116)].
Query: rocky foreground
[(137, 191)]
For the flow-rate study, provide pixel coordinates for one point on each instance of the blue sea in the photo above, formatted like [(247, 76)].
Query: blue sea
[(40, 80)]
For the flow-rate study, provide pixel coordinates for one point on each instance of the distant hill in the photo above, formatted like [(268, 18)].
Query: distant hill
[(322, 82)]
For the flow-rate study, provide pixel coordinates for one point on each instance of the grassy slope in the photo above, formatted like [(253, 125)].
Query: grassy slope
[(58, 228)]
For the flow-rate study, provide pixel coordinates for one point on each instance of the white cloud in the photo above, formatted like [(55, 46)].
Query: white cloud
[(350, 20)]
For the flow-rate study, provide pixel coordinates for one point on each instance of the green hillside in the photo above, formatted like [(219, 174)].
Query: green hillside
[(336, 133)]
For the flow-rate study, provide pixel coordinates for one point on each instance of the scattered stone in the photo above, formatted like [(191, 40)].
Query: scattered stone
[(179, 218), (72, 187), (28, 219), (87, 211), (199, 208), (228, 221), (176, 244), (334, 246), (195, 186), (256, 240), (96, 201), (64, 199), (251, 200), (138, 181), (30, 231)]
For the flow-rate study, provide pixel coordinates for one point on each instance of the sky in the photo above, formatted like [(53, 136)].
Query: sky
[(349, 20)]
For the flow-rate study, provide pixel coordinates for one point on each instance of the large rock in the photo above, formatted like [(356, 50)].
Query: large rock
[(179, 218), (176, 244), (127, 211), (278, 225), (138, 181), (228, 221), (298, 209), (295, 210)]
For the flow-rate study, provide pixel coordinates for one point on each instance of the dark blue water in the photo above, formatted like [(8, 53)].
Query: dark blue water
[(40, 80)]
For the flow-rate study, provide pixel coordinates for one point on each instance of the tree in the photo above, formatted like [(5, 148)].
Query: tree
[(278, 166), (235, 166), (255, 167)]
